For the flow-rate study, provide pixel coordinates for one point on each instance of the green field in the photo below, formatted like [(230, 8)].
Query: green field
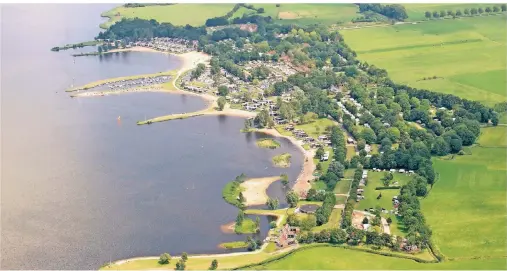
[(493, 137), (370, 198), (370, 194), (248, 226), (333, 223), (343, 186), (466, 207), (178, 14), (467, 55), (334, 258)]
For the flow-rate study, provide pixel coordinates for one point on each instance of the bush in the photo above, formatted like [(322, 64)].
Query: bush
[(165, 258), (387, 187), (272, 224)]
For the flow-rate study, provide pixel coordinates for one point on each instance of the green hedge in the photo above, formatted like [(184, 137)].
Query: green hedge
[(387, 187)]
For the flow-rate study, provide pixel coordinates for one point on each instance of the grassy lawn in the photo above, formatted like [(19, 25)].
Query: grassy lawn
[(333, 223), (178, 14), (349, 173), (316, 128), (268, 143), (192, 263), (371, 201), (468, 55), (230, 193), (351, 152), (335, 258), (248, 226), (342, 187), (341, 199), (325, 164), (466, 207), (319, 185), (494, 137), (233, 245), (502, 118), (282, 160)]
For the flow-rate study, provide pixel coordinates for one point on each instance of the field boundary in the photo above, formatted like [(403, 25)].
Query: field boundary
[(383, 50), (366, 250)]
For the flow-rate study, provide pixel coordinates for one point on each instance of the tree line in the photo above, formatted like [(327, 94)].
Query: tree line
[(394, 11), (224, 20), (466, 12)]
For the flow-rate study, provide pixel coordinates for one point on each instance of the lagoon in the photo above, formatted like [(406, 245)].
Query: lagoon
[(80, 187)]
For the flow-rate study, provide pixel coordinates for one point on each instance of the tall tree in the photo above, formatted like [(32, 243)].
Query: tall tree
[(221, 103), (214, 265), (292, 198)]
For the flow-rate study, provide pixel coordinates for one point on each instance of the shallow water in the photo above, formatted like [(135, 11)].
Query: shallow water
[(80, 187)]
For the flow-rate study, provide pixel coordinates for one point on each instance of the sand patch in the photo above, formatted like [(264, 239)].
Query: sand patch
[(228, 228), (255, 190)]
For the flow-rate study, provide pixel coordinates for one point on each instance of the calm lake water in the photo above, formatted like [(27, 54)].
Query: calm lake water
[(80, 188)]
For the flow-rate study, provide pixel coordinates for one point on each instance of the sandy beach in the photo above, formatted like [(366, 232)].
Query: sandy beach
[(255, 190), (303, 181)]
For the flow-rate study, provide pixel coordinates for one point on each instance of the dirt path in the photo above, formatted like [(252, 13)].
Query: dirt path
[(385, 225)]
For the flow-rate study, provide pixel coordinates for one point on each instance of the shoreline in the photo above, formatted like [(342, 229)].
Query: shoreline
[(306, 175), (189, 62)]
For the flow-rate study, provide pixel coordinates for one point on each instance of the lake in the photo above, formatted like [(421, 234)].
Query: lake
[(80, 187)]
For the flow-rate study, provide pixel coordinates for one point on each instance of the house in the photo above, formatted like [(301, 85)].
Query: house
[(287, 236)]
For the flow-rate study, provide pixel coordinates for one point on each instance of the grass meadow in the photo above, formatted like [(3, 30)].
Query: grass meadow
[(178, 14), (466, 206), (493, 137), (335, 258), (467, 55)]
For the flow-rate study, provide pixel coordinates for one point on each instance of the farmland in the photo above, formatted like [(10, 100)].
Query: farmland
[(450, 50), (466, 207), (178, 14), (334, 258), (196, 15)]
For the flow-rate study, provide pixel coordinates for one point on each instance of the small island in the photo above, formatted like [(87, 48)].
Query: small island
[(268, 143), (282, 160), (233, 245)]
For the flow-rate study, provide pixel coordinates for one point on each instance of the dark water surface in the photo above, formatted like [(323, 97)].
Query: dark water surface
[(79, 187)]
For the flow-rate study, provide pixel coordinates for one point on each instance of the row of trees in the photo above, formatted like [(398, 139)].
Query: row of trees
[(138, 29), (351, 201), (324, 211), (466, 12)]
